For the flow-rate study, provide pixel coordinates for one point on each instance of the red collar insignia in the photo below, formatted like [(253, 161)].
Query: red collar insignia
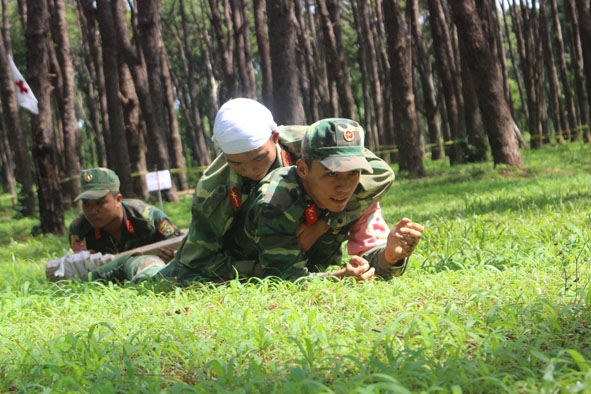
[(235, 198), (311, 215), (286, 159)]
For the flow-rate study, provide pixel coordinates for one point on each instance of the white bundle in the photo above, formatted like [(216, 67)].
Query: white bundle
[(77, 265)]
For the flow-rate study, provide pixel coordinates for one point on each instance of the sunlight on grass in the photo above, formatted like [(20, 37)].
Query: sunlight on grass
[(495, 301)]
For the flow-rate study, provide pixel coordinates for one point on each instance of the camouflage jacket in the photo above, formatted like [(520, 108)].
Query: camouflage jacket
[(266, 232), (142, 224), (219, 196)]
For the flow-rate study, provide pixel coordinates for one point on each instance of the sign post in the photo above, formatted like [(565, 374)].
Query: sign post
[(159, 180)]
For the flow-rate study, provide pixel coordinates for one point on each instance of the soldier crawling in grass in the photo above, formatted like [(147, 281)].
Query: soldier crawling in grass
[(251, 147), (110, 224), (323, 183)]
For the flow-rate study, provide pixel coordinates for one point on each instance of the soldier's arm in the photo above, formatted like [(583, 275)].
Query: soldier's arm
[(163, 226), (204, 250)]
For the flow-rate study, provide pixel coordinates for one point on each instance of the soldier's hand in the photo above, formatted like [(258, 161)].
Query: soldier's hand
[(166, 254), (402, 240), (308, 235), (359, 268)]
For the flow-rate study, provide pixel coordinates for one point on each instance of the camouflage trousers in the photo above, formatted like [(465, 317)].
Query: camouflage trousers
[(145, 267), (130, 268)]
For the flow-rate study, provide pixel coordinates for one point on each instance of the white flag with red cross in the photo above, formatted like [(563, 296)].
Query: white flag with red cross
[(24, 94)]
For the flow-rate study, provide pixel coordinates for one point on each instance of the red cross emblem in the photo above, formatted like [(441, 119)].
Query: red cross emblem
[(21, 86)]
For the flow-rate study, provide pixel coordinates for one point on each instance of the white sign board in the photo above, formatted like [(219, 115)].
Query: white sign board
[(159, 180)]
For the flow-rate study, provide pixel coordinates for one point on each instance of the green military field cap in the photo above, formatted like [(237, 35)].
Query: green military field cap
[(337, 143), (96, 183)]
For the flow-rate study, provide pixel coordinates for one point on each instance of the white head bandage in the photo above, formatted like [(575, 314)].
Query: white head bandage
[(242, 125)]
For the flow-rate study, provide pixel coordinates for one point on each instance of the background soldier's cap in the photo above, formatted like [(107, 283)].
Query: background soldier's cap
[(337, 143), (96, 183)]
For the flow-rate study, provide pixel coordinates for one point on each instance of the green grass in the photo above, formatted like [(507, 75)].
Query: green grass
[(496, 300)]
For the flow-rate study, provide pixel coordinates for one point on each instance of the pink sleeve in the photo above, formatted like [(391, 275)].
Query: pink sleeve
[(369, 231)]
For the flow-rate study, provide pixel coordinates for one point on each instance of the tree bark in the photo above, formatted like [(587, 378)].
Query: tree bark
[(585, 34), (569, 102), (16, 145), (446, 70), (403, 100), (336, 64), (554, 92), (152, 49), (51, 209), (223, 32), (517, 77), (286, 107), (66, 96), (488, 81), (525, 25), (428, 90), (110, 57), (97, 101), (477, 147), (194, 127), (260, 23), (577, 66), (367, 54), (242, 49)]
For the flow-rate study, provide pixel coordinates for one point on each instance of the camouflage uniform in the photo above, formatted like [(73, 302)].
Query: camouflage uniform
[(216, 248), (272, 216), (208, 251), (142, 224), (266, 230)]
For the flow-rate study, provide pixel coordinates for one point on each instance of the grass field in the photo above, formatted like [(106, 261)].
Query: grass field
[(496, 300)]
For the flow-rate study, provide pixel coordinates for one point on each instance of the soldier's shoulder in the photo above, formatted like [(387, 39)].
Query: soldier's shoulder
[(280, 188), (135, 205), (290, 138)]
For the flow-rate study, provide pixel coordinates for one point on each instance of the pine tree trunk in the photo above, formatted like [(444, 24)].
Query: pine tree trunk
[(224, 50), (286, 108), (569, 102), (554, 93), (488, 82), (242, 49), (577, 66), (97, 101), (517, 76), (477, 147), (260, 23), (446, 70), (408, 138), (525, 25), (17, 157), (160, 131), (44, 151), (118, 138), (336, 64), (66, 101), (367, 54), (194, 128), (585, 34), (428, 90)]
